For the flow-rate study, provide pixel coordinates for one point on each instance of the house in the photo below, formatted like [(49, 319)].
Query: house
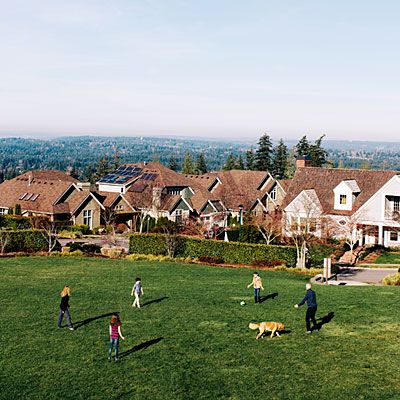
[(360, 205), (146, 189), (52, 194), (219, 194)]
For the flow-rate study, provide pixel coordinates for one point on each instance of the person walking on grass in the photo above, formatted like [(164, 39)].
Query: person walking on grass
[(311, 299), (115, 334), (64, 308), (257, 285), (137, 291)]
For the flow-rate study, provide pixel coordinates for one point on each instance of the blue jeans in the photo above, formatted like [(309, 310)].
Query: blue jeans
[(113, 343), (257, 295), (67, 316)]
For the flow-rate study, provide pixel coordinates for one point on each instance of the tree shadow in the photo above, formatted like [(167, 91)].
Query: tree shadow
[(324, 320), (270, 296), (154, 301), (140, 346), (79, 324)]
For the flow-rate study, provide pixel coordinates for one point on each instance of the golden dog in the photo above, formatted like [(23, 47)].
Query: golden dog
[(263, 327)]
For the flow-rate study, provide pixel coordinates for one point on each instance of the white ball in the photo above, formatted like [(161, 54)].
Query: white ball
[(242, 303)]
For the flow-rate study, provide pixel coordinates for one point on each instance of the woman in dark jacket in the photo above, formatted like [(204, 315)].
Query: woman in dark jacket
[(64, 308)]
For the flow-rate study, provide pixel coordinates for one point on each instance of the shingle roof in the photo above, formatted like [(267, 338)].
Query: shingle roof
[(42, 189), (238, 187), (324, 180)]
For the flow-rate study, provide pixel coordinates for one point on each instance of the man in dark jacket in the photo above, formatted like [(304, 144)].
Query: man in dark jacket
[(311, 299)]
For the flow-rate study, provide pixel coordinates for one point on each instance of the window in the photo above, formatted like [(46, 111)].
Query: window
[(174, 191), (29, 196), (342, 199), (396, 204), (394, 236), (178, 216), (3, 211), (273, 193), (21, 197), (87, 218)]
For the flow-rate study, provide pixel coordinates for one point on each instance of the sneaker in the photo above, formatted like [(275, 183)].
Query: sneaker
[(309, 331), (109, 358), (116, 359), (71, 328)]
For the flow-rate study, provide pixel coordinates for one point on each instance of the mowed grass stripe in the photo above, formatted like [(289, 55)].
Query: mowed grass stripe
[(192, 339)]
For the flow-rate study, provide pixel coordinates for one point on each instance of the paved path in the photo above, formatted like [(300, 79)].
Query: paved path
[(363, 275)]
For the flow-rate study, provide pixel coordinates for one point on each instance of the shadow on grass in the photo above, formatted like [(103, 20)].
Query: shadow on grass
[(324, 320), (154, 301), (79, 324), (270, 296), (140, 346)]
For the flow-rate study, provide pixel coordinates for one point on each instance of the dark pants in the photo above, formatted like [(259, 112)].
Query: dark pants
[(310, 316), (67, 316), (257, 295), (113, 343)]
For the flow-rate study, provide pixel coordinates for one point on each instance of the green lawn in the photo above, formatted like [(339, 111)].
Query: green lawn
[(191, 340), (388, 258)]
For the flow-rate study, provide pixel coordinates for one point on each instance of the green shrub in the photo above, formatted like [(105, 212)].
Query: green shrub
[(15, 222), (189, 247), (24, 240), (148, 257), (83, 229), (87, 248), (392, 280)]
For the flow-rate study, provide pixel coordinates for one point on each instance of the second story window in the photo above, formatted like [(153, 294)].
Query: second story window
[(396, 204), (343, 199), (273, 193)]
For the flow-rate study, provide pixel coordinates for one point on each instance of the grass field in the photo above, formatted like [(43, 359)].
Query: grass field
[(388, 258), (190, 340)]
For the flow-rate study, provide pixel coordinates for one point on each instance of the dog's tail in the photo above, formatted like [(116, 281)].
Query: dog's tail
[(253, 326)]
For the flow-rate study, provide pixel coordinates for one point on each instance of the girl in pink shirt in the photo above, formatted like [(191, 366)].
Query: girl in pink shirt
[(115, 334)]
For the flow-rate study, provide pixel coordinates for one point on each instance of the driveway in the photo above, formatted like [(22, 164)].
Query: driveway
[(354, 275)]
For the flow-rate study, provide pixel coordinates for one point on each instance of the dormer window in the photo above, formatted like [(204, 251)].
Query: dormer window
[(345, 195)]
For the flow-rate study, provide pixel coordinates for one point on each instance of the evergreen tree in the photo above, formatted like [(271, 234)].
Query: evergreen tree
[(240, 162), (102, 168), (303, 147), (1, 176), (116, 162), (250, 159), (187, 167), (74, 173), (230, 163), (173, 163), (264, 154), (280, 160), (201, 165), (317, 153)]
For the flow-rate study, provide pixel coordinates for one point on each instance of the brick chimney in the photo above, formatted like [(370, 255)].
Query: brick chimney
[(303, 161)]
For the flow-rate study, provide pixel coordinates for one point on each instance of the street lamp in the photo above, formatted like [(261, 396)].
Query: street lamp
[(240, 221)]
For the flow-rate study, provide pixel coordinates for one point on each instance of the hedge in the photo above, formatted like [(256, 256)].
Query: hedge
[(235, 253), (24, 241)]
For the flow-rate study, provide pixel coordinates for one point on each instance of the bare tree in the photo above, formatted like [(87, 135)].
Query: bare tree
[(303, 224), (269, 225), (171, 230), (5, 238), (49, 232)]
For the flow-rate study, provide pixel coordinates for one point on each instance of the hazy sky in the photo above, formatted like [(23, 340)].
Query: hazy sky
[(201, 68)]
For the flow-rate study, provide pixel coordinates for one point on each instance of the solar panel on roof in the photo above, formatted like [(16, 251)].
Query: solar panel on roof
[(122, 180), (152, 177)]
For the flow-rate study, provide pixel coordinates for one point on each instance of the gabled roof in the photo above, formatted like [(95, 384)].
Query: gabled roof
[(238, 187), (324, 180), (42, 189)]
